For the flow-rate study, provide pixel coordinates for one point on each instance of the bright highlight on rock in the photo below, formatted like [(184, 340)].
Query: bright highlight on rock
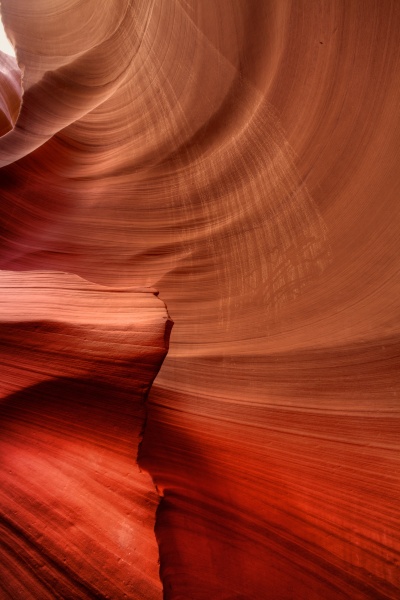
[(5, 44)]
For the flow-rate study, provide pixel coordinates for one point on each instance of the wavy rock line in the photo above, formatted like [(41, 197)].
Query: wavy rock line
[(242, 157)]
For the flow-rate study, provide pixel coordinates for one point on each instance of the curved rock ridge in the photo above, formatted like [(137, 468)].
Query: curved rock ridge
[(10, 93), (241, 157), (76, 514)]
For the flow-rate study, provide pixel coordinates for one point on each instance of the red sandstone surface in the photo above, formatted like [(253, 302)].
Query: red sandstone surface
[(243, 158), (77, 360)]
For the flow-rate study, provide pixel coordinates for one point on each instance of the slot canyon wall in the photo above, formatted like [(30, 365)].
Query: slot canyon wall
[(240, 157)]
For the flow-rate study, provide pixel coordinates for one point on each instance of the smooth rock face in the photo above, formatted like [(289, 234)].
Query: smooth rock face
[(242, 157), (77, 360)]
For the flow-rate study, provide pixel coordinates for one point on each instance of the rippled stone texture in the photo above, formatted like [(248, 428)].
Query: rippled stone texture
[(76, 514), (242, 156)]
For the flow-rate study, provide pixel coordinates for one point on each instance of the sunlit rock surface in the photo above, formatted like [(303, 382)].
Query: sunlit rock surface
[(242, 157)]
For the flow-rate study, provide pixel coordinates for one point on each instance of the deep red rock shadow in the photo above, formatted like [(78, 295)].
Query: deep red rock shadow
[(77, 516)]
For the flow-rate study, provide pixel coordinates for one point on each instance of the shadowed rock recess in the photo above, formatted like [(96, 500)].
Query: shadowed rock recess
[(241, 157)]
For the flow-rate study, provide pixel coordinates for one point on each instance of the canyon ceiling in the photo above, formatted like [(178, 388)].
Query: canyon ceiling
[(231, 168)]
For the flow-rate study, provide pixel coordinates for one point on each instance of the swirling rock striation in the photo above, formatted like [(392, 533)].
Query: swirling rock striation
[(243, 158)]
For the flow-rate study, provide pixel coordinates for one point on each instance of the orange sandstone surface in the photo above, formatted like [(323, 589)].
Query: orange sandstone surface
[(241, 157)]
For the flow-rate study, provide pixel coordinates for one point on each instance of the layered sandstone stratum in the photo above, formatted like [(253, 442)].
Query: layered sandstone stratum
[(241, 157)]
